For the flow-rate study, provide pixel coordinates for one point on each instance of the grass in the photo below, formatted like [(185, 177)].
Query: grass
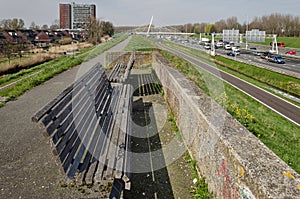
[(276, 80), (50, 69), (290, 42), (174, 127), (200, 187), (279, 134), (140, 43), (258, 76)]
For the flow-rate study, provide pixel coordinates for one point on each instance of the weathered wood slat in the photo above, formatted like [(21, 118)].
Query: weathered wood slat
[(101, 150), (94, 138), (89, 123), (72, 107), (76, 109), (37, 116), (122, 134), (70, 150), (112, 152)]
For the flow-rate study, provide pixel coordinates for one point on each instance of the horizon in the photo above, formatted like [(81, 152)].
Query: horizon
[(165, 12)]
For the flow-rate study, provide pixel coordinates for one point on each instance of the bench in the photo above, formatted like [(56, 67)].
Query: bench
[(120, 71), (89, 127)]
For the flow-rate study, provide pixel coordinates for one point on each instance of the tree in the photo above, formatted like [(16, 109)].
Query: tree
[(12, 24), (55, 25), (33, 26), (210, 28), (108, 28), (45, 27), (94, 31)]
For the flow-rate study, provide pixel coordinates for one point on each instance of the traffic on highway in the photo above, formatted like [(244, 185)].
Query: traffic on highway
[(287, 62), (277, 104)]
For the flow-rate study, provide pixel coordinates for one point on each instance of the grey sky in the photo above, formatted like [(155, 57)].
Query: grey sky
[(138, 12)]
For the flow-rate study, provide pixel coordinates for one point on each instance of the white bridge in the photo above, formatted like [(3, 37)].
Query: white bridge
[(158, 31)]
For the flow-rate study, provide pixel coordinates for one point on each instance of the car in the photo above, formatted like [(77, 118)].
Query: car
[(291, 52), (207, 47), (279, 44), (253, 48), (227, 47), (257, 53), (277, 59), (265, 55), (232, 53), (219, 45)]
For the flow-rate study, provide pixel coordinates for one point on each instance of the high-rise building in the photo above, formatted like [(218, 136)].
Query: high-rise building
[(65, 16), (76, 16)]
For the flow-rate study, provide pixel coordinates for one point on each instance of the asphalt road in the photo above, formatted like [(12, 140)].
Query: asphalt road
[(292, 65), (284, 108)]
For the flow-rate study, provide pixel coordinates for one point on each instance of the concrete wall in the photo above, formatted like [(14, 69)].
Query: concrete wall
[(233, 161)]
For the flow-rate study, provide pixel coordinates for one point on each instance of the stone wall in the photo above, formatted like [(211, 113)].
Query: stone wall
[(234, 162)]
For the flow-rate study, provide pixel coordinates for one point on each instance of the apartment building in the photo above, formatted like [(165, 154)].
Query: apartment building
[(76, 16)]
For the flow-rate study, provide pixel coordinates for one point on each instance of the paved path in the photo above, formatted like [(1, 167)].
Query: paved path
[(27, 167)]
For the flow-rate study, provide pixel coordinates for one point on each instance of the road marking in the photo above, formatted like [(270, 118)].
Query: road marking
[(242, 90)]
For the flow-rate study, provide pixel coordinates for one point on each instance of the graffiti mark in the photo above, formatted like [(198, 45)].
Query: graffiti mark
[(229, 191), (242, 171), (232, 151), (245, 193), (289, 175)]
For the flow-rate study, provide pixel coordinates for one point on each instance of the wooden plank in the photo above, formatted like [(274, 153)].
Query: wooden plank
[(84, 145), (87, 125), (127, 163), (70, 118), (97, 133), (38, 115), (76, 92), (102, 149), (72, 107), (80, 120), (113, 148), (122, 135)]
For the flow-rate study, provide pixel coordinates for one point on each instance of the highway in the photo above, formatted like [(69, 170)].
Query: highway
[(291, 67), (282, 107)]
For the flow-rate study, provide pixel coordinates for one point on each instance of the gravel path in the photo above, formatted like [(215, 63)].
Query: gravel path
[(28, 169)]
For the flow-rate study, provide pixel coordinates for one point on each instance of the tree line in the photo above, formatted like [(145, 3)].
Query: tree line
[(280, 24)]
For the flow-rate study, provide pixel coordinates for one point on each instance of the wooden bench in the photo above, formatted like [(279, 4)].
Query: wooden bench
[(89, 124), (120, 71)]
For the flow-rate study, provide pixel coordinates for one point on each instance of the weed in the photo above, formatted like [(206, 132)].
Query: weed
[(200, 187)]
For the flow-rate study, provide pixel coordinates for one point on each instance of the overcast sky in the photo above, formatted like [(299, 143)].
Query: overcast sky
[(139, 12)]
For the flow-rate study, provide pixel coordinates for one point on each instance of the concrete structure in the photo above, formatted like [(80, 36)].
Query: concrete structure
[(76, 16), (234, 162)]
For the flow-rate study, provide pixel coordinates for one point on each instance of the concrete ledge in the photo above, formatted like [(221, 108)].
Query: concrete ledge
[(234, 162)]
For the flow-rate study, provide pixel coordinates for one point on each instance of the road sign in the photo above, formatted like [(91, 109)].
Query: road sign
[(255, 36), (231, 35)]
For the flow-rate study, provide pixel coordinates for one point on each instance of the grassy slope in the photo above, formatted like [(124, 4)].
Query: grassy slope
[(50, 69), (290, 42), (279, 134)]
